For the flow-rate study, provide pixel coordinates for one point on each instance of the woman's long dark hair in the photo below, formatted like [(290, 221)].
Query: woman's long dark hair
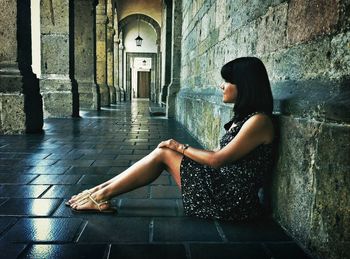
[(253, 86)]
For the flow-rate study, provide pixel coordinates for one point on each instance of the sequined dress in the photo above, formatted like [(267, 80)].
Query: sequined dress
[(230, 192)]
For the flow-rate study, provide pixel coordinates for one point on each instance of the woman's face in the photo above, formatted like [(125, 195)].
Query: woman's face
[(229, 92)]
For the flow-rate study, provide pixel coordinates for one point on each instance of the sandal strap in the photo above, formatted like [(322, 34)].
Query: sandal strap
[(98, 204)]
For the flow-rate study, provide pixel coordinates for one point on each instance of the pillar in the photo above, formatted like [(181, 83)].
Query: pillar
[(101, 50), (121, 69), (20, 100), (167, 56), (174, 86), (116, 67), (55, 82), (84, 55), (110, 50)]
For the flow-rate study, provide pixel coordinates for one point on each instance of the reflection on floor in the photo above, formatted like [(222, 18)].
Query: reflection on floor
[(39, 172)]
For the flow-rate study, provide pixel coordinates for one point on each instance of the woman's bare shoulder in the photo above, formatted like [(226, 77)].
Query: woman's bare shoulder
[(263, 124)]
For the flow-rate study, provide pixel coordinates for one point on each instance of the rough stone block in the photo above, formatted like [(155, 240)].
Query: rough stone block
[(55, 54), (308, 19), (54, 16), (12, 116), (300, 62), (311, 184), (272, 29), (340, 55), (57, 104), (242, 13), (87, 91), (8, 31)]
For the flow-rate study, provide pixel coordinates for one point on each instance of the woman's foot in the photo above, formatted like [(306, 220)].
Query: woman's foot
[(91, 203), (82, 195)]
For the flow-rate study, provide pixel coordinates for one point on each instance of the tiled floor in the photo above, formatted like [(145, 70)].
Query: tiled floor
[(38, 172)]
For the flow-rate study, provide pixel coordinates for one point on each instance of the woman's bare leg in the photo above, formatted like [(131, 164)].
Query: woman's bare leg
[(139, 174)]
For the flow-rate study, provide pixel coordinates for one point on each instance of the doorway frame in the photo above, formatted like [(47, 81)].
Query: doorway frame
[(154, 84)]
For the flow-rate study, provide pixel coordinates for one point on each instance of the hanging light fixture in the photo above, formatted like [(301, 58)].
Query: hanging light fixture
[(138, 39)]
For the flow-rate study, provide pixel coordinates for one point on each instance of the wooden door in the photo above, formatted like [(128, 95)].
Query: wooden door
[(143, 84)]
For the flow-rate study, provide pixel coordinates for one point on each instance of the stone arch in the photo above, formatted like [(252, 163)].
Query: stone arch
[(133, 17)]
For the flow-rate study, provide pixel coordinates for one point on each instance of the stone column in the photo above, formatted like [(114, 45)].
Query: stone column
[(167, 55), (174, 86), (20, 100), (55, 82), (116, 67), (110, 50), (101, 56), (121, 69), (85, 53)]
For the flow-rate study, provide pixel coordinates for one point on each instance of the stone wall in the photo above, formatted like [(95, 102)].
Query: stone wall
[(306, 48)]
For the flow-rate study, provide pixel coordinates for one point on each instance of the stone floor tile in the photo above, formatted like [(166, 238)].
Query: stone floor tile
[(162, 180), (286, 251), (147, 207), (44, 230), (105, 162), (46, 170), (56, 179), (99, 156), (16, 178), (94, 179), (118, 229), (59, 251), (139, 193), (134, 157), (114, 170), (165, 192), (173, 229), (37, 162), (70, 162), (22, 191), (64, 191), (143, 152), (65, 156), (227, 251), (5, 223), (85, 170), (265, 230), (11, 251), (148, 251), (29, 207), (116, 151)]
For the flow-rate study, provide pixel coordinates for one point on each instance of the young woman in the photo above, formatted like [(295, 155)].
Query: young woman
[(221, 184)]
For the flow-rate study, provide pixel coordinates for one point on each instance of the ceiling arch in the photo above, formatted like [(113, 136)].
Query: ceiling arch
[(134, 17)]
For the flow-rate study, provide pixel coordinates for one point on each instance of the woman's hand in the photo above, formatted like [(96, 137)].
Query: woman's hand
[(172, 144)]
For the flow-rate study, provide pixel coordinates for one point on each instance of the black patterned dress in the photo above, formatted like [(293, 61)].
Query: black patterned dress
[(230, 192)]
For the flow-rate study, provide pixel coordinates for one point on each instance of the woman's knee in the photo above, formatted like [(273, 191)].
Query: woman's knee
[(162, 153)]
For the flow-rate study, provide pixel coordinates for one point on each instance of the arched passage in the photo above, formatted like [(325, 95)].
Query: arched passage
[(151, 32)]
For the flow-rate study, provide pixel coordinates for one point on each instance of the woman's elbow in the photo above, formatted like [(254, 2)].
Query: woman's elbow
[(215, 163)]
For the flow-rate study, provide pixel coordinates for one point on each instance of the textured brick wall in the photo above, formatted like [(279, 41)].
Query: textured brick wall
[(306, 48)]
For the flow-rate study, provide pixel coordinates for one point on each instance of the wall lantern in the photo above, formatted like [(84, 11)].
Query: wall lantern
[(144, 62), (138, 39)]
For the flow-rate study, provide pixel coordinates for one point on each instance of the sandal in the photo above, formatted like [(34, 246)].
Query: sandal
[(79, 196), (98, 204)]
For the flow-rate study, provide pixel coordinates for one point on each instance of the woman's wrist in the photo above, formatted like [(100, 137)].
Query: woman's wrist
[(184, 147)]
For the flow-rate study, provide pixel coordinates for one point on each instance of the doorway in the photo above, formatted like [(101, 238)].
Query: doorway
[(143, 84)]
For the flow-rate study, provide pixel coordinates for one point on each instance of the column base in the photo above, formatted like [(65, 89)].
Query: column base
[(112, 92), (104, 94), (88, 95), (57, 98), (12, 115)]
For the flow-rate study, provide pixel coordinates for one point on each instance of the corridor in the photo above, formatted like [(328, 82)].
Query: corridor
[(39, 172)]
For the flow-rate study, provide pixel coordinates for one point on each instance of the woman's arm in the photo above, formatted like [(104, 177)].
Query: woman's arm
[(255, 131)]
